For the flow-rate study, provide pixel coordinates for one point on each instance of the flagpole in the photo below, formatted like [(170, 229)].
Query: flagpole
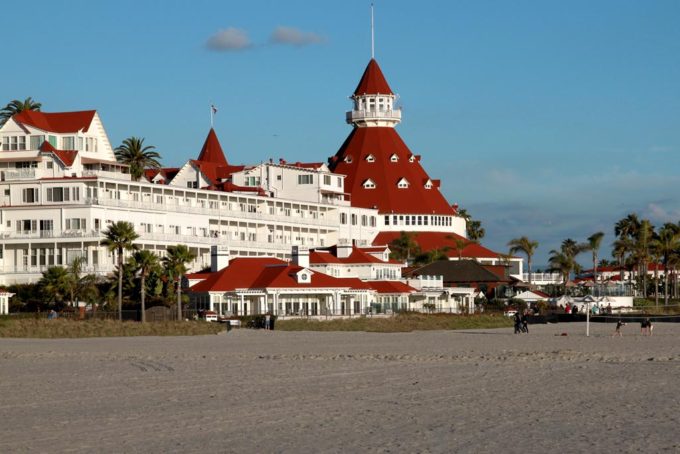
[(211, 115)]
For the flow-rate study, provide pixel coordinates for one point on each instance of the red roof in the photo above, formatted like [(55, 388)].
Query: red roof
[(264, 272), (212, 150), (358, 256), (227, 186), (437, 240), (60, 122), (168, 173), (382, 143), (319, 257), (373, 81), (65, 156), (390, 287)]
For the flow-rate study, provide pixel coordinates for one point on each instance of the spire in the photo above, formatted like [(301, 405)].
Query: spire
[(373, 81), (212, 150), (373, 100)]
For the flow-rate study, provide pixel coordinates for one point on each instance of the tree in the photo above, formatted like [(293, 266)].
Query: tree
[(133, 153), (564, 260), (175, 263), (118, 237), (145, 262), (594, 243), (643, 238), (668, 247), (526, 246), (54, 283), (474, 230), (404, 248), (16, 106)]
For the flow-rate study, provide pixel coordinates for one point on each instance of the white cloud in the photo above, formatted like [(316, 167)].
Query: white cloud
[(294, 36), (229, 39)]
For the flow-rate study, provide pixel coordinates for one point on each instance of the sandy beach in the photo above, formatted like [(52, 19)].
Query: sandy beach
[(257, 391)]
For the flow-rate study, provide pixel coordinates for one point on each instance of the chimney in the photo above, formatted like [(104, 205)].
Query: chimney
[(219, 258), (300, 256), (344, 249)]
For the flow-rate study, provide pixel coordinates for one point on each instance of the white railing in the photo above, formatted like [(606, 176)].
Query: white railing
[(368, 114), (211, 211), (30, 234), (22, 174), (107, 174), (543, 278), (30, 269)]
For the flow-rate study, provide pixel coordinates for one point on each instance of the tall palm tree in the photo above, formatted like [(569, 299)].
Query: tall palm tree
[(594, 242), (526, 246), (627, 229), (175, 263), (145, 262), (139, 157), (655, 251), (669, 245), (404, 247), (473, 229), (621, 248), (644, 236), (119, 237), (16, 106), (564, 260), (54, 283)]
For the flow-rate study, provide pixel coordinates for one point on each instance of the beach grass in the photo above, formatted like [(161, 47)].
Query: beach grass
[(63, 328), (398, 324)]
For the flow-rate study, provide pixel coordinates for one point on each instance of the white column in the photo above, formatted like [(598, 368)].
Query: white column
[(240, 304)]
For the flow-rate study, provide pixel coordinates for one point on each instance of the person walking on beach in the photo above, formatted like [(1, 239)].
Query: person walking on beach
[(267, 321), (646, 327), (525, 322), (617, 331), (518, 322)]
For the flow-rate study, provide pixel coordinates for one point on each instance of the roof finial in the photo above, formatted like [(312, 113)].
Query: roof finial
[(372, 34)]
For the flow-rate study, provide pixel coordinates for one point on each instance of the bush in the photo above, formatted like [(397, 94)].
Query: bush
[(255, 321)]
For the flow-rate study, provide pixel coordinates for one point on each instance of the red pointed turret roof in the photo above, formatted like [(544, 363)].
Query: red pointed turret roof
[(373, 81), (385, 173), (212, 150), (60, 122)]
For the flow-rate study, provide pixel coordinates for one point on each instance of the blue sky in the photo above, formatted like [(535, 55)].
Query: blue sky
[(549, 119)]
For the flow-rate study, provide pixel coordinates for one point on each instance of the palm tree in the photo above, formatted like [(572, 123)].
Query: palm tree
[(404, 247), (594, 242), (461, 243), (54, 283), (145, 262), (655, 251), (621, 247), (643, 238), (119, 237), (175, 263), (668, 246), (16, 107), (564, 260), (133, 153), (526, 246), (473, 229), (627, 229)]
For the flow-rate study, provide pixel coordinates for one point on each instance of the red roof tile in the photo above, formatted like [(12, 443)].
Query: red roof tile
[(60, 122), (391, 287), (382, 143), (65, 156), (263, 272), (373, 81), (437, 240), (212, 150)]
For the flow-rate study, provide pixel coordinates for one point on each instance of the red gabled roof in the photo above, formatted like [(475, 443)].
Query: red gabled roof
[(60, 122), (391, 287), (382, 143), (168, 173), (65, 156), (439, 240), (373, 81), (212, 150), (227, 186), (319, 257), (264, 272)]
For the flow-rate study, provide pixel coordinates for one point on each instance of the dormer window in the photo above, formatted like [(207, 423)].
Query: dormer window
[(369, 184), (403, 183), (370, 158), (394, 158), (412, 159), (428, 184), (348, 159)]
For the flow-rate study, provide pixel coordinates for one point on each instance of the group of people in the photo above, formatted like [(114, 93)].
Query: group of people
[(521, 322), (595, 310), (646, 327)]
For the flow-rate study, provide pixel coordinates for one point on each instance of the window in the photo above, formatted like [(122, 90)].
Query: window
[(348, 159), (36, 141), (80, 143), (403, 183), (370, 158), (252, 181), (75, 194), (412, 158), (354, 219), (364, 220), (49, 165), (27, 225), (13, 143), (305, 179), (343, 218), (327, 180), (369, 184), (428, 184), (192, 184), (373, 221), (394, 158), (29, 195), (387, 220), (58, 194), (75, 224), (69, 143)]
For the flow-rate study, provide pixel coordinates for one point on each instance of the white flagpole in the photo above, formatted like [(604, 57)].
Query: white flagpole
[(372, 34), (211, 115)]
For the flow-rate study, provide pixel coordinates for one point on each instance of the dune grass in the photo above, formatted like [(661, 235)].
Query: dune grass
[(399, 323), (62, 328)]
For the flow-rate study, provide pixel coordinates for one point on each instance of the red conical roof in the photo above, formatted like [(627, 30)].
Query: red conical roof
[(212, 150), (386, 171), (373, 81)]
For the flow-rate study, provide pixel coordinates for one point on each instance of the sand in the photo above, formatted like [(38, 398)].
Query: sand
[(257, 391)]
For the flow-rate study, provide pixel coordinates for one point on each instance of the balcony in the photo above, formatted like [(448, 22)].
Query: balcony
[(19, 174), (107, 174), (392, 116)]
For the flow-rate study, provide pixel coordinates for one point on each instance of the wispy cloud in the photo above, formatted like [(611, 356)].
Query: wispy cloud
[(229, 40), (294, 37)]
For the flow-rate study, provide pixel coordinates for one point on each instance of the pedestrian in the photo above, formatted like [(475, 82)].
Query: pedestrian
[(619, 325), (525, 322), (646, 327), (609, 309), (567, 309), (267, 321), (518, 322)]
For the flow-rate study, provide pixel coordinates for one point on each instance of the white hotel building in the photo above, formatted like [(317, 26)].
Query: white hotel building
[(61, 186)]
